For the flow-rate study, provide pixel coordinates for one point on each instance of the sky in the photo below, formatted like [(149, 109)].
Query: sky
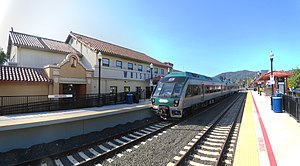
[(207, 37)]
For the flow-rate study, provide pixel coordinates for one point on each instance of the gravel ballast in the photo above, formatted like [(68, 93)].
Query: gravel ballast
[(162, 149), (36, 151)]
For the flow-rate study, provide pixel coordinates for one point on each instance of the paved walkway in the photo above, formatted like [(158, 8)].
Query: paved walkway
[(17, 121), (276, 140)]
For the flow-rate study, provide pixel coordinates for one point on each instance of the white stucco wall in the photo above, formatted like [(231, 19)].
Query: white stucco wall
[(13, 54), (89, 59), (37, 58), (117, 73), (120, 84)]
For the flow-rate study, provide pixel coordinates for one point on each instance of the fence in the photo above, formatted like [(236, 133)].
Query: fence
[(291, 105), (41, 103)]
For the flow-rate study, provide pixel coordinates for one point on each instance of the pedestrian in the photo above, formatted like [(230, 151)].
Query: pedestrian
[(260, 90)]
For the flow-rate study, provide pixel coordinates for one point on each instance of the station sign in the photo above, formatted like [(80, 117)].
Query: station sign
[(270, 82), (60, 96)]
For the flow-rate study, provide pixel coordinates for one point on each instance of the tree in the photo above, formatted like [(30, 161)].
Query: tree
[(2, 56), (295, 79)]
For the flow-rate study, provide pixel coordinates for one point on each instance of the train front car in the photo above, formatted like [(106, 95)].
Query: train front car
[(166, 99)]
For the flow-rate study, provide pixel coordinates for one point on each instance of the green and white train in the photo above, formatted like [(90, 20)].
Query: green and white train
[(179, 93)]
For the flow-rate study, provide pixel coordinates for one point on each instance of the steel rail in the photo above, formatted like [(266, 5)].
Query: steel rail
[(219, 158), (183, 158), (40, 160)]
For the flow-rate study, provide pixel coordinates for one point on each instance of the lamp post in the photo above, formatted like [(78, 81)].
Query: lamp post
[(99, 76), (258, 84), (272, 76), (151, 76)]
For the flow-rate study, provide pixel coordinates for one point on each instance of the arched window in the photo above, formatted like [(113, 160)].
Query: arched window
[(73, 62)]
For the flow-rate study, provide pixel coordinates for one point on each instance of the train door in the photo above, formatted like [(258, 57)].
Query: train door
[(188, 97), (222, 90)]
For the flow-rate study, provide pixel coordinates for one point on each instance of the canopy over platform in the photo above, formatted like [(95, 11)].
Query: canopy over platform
[(266, 76), (280, 82)]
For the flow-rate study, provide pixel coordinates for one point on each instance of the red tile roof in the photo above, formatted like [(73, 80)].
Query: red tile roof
[(266, 76), (25, 40), (112, 49), (10, 73)]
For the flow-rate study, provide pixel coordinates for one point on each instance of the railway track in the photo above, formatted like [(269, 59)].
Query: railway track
[(215, 144), (90, 154), (96, 153)]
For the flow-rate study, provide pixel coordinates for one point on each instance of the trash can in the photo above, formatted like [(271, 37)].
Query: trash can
[(277, 102), (129, 98)]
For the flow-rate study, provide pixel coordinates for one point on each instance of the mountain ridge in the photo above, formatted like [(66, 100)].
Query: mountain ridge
[(241, 75)]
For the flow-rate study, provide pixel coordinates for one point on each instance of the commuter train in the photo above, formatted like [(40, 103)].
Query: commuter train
[(178, 93)]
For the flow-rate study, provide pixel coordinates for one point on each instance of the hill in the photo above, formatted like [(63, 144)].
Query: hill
[(239, 76)]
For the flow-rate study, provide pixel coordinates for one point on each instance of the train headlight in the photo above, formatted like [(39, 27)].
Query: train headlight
[(152, 100), (176, 102)]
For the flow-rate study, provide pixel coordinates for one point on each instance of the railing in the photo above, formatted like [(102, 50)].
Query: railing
[(41, 103), (291, 105)]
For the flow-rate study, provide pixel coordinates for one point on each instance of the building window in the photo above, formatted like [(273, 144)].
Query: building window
[(148, 69), (156, 70), (162, 71), (125, 74), (119, 64), (126, 88), (140, 68), (71, 41), (73, 62), (113, 90), (105, 62), (130, 66)]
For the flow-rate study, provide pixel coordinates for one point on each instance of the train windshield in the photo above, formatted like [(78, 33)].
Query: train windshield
[(169, 87)]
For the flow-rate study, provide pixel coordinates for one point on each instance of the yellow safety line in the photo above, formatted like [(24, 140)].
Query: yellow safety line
[(247, 148)]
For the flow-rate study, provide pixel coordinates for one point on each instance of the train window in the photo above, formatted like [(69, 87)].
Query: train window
[(169, 86), (189, 91), (177, 89), (195, 90), (200, 89), (207, 89), (167, 89), (157, 90)]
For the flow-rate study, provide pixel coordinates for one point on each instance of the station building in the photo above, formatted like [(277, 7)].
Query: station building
[(122, 69), (73, 66), (280, 84)]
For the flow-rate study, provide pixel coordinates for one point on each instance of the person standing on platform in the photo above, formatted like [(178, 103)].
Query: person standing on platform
[(260, 90)]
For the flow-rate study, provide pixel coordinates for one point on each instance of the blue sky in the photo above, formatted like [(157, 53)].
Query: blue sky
[(203, 36)]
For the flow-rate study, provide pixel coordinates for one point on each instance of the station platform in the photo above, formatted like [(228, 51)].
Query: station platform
[(19, 121), (266, 138), (25, 130)]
